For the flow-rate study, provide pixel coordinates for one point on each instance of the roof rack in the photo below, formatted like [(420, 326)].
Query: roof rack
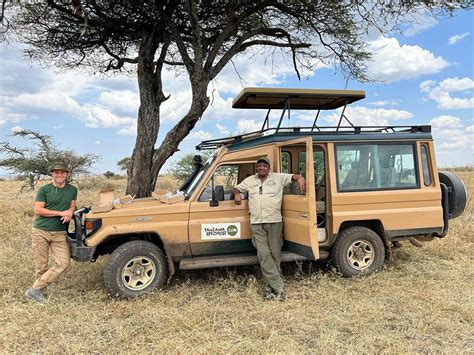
[(302, 99), (312, 131)]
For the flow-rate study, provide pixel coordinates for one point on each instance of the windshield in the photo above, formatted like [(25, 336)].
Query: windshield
[(198, 176)]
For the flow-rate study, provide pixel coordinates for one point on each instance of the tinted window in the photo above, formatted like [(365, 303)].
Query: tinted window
[(375, 166)]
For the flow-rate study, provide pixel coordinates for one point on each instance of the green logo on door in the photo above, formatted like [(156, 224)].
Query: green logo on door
[(232, 230)]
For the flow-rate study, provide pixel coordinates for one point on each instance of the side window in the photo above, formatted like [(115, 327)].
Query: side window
[(228, 176), (319, 164), (375, 166), (425, 162), (285, 162)]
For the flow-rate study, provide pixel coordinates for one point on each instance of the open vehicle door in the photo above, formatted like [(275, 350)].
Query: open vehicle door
[(299, 211)]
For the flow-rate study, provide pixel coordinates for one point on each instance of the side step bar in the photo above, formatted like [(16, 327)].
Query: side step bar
[(237, 260)]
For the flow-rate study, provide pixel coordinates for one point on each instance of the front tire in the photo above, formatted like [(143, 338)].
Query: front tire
[(134, 269), (358, 251)]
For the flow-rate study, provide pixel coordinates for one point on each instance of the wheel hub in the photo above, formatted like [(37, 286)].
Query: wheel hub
[(360, 254), (138, 273)]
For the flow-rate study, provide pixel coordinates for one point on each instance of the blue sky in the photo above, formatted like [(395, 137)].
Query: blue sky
[(425, 76)]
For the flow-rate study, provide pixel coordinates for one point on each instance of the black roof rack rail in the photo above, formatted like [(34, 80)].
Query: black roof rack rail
[(310, 131)]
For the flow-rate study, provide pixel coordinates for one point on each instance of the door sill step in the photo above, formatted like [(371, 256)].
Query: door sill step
[(203, 262)]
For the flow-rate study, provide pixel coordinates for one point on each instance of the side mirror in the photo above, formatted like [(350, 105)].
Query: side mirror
[(219, 193)]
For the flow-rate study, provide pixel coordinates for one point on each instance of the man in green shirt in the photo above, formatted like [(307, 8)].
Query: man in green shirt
[(54, 206), (265, 191)]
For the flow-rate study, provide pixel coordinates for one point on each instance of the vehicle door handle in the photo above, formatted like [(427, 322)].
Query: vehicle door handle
[(303, 215)]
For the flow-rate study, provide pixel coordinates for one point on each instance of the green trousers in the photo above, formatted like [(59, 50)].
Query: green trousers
[(268, 239)]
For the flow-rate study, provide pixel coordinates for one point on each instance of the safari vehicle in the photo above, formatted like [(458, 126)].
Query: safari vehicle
[(367, 189)]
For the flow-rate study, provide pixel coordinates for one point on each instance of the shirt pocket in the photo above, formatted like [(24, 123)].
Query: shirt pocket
[(271, 188)]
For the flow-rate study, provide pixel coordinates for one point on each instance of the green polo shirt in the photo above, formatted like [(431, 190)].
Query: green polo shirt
[(265, 197), (56, 199)]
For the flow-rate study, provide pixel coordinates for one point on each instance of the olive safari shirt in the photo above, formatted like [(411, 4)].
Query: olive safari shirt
[(265, 197), (56, 199)]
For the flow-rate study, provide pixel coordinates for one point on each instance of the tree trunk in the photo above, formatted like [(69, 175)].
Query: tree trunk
[(175, 136), (141, 181)]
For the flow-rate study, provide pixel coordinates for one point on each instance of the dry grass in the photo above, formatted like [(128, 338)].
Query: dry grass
[(422, 302)]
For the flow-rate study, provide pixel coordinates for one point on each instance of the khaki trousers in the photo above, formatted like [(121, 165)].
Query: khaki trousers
[(41, 242), (268, 239)]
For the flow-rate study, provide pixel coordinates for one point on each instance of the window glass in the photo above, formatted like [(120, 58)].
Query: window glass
[(318, 163), (285, 162), (427, 179), (227, 176), (375, 166)]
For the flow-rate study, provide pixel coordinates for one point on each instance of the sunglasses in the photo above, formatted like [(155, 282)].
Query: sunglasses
[(260, 190)]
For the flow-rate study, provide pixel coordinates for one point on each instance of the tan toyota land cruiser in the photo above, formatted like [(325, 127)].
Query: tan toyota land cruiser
[(367, 188)]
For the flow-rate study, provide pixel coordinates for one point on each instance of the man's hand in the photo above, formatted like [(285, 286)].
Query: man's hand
[(302, 184), (300, 181), (65, 219), (237, 198), (67, 213)]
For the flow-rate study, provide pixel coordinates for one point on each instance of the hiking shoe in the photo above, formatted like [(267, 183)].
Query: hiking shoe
[(269, 295), (280, 296), (35, 294)]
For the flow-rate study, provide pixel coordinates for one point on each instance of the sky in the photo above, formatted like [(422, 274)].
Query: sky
[(423, 75)]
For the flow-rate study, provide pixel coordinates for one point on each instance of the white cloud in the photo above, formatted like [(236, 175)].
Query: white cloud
[(246, 126), (58, 126), (456, 84), (392, 62), (364, 116), (7, 116), (122, 100), (457, 38), (16, 129), (450, 134), (98, 116), (446, 121), (441, 93), (383, 103), (128, 131), (427, 85), (199, 136), (98, 142), (45, 101), (419, 23), (223, 130)]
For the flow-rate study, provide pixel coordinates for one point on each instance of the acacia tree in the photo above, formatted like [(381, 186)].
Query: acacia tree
[(32, 163), (202, 37)]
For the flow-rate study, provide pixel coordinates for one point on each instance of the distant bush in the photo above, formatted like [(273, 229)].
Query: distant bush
[(458, 168), (109, 174)]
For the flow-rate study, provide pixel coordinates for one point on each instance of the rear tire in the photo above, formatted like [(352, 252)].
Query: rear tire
[(358, 251), (134, 269)]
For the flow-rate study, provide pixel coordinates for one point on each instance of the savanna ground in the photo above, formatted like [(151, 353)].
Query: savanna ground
[(420, 302)]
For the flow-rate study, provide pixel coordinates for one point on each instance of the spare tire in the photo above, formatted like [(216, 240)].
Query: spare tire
[(457, 193)]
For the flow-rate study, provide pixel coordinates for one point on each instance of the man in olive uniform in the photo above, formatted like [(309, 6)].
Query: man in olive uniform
[(54, 206), (265, 197)]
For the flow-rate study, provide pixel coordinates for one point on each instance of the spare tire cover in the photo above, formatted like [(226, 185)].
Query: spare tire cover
[(457, 194)]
